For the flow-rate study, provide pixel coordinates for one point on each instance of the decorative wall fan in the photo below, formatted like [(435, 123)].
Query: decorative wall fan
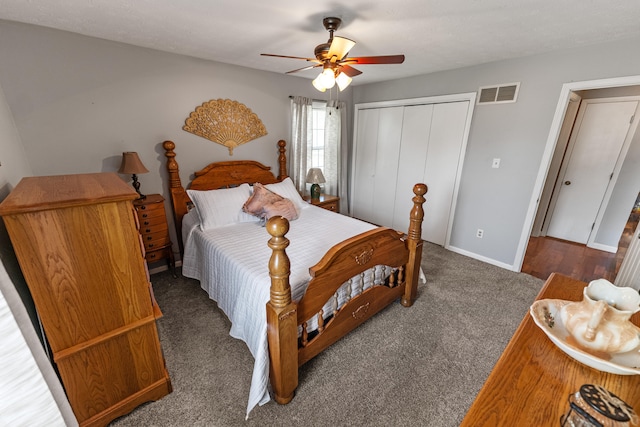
[(332, 57)]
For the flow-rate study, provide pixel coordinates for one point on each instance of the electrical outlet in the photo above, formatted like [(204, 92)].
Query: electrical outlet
[(479, 233)]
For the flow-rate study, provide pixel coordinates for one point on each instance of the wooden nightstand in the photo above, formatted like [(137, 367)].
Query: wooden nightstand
[(154, 230), (330, 203)]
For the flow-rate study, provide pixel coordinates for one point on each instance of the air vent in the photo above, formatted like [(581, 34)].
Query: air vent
[(498, 94)]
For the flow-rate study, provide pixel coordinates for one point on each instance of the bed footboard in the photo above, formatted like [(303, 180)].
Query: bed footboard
[(381, 246)]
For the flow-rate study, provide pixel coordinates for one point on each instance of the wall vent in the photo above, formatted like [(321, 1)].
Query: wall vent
[(498, 94)]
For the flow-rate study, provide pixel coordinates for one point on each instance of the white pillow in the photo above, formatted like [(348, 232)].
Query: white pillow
[(289, 191), (221, 207)]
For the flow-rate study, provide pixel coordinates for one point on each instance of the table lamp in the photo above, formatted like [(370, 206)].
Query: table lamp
[(315, 178), (131, 164)]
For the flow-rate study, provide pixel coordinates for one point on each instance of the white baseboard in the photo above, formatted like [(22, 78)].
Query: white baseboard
[(482, 258), (601, 247)]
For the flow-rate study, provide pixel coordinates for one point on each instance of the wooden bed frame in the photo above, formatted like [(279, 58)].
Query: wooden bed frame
[(381, 246)]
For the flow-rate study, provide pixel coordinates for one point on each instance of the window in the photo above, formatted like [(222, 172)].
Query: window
[(317, 150)]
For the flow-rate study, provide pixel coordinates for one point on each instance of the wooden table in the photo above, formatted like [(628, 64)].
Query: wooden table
[(530, 383)]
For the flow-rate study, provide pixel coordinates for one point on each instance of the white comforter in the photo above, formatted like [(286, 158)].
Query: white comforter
[(231, 264)]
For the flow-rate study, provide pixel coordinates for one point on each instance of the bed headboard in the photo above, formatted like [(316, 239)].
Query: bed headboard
[(215, 176)]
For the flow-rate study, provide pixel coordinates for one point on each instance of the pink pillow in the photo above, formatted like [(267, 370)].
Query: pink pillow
[(259, 199), (264, 204), (284, 207)]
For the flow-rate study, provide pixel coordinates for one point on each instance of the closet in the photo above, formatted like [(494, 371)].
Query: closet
[(400, 143), (77, 241)]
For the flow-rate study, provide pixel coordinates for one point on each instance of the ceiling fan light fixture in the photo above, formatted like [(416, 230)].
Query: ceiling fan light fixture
[(318, 84), (343, 81), (327, 78)]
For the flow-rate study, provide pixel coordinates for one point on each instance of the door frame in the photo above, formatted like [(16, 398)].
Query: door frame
[(440, 99), (547, 155), (615, 171)]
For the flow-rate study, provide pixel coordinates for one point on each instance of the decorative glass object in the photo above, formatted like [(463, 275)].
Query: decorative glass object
[(595, 406)]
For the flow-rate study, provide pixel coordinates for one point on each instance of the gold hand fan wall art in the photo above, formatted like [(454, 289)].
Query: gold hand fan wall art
[(333, 57), (225, 122)]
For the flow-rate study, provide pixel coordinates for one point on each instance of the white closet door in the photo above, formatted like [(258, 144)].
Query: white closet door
[(386, 169), (364, 170), (444, 156), (416, 127)]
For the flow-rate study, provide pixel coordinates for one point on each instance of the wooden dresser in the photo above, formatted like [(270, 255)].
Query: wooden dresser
[(154, 229), (77, 241), (330, 203), (531, 382)]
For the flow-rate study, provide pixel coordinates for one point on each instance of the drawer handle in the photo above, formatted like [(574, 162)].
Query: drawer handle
[(149, 238), (144, 215), (152, 256), (143, 207), (146, 222), (148, 230), (151, 245)]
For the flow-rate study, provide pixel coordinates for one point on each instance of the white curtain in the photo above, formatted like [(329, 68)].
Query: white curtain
[(335, 154), (335, 151), (301, 140)]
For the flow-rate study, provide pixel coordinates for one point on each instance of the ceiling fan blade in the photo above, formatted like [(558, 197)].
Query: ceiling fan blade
[(349, 71), (304, 68), (291, 57), (340, 47), (388, 59)]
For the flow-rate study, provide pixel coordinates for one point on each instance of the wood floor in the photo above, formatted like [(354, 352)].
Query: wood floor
[(546, 255)]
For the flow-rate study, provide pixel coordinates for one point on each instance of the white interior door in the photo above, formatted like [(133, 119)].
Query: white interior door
[(376, 164), (594, 149), (364, 164), (441, 170), (387, 154), (416, 128)]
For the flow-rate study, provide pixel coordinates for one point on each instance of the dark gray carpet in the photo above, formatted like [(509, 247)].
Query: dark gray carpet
[(419, 366)]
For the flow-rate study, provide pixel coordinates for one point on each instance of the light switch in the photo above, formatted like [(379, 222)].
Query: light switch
[(495, 164)]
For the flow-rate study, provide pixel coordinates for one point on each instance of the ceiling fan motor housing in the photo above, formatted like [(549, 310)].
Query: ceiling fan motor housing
[(331, 23)]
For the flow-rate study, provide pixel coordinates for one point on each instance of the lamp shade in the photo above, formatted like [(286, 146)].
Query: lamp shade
[(314, 176), (131, 164)]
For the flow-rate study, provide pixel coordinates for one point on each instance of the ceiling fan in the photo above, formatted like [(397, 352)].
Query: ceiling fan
[(332, 57)]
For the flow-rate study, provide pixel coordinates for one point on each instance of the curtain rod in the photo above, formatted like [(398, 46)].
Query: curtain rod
[(313, 99)]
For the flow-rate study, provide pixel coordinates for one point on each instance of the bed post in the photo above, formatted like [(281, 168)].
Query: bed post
[(282, 318), (282, 160), (414, 244), (179, 197)]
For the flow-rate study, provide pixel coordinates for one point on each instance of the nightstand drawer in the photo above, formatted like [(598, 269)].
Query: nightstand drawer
[(325, 201), (333, 206), (150, 213), (155, 240), (154, 229)]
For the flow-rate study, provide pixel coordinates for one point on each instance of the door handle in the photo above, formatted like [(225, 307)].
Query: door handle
[(567, 183)]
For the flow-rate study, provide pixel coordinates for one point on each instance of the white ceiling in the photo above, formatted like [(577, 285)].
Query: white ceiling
[(434, 35)]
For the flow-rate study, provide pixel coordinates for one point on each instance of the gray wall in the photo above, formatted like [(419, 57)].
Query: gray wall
[(79, 102), (497, 200)]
